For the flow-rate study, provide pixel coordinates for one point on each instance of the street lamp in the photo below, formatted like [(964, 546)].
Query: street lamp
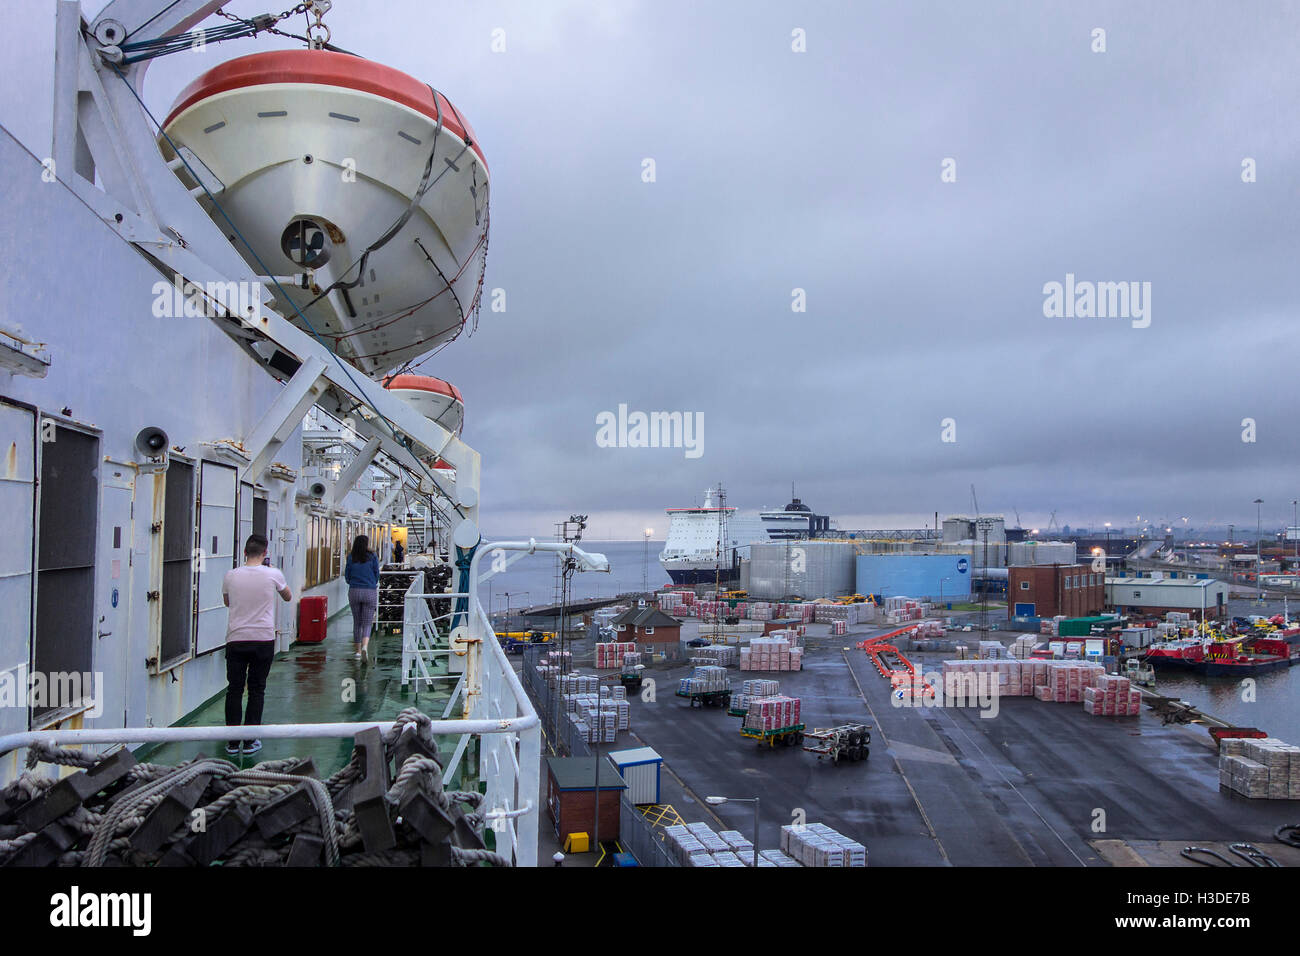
[(645, 561), (1259, 584), (718, 801)]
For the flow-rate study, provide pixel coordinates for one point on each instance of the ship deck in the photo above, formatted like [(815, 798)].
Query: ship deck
[(309, 683), (1040, 784)]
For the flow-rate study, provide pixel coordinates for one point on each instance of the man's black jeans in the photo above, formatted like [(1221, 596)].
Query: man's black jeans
[(251, 661)]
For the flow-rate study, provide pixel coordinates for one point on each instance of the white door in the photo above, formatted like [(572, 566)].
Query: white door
[(114, 665), (215, 554), (18, 505), (245, 519)]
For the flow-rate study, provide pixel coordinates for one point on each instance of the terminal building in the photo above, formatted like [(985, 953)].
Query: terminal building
[(1157, 594)]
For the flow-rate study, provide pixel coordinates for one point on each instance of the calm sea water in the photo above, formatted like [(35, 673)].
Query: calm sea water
[(1275, 707), (531, 580)]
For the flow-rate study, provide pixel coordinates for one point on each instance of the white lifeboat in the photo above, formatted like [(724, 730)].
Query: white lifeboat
[(436, 400), (318, 159)]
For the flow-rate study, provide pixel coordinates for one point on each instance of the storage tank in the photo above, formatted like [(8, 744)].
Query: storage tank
[(803, 569), (915, 575), (1021, 554)]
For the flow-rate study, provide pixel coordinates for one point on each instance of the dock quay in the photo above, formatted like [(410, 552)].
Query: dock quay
[(1032, 783)]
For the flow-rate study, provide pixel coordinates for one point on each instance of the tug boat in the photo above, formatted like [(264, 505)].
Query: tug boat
[(1219, 657)]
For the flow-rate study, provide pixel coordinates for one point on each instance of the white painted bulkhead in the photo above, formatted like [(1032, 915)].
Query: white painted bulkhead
[(75, 286)]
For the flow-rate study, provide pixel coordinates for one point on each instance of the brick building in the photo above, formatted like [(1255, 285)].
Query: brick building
[(1075, 590), (648, 625)]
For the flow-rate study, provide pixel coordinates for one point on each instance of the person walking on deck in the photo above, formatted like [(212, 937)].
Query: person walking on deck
[(249, 591), (362, 574)]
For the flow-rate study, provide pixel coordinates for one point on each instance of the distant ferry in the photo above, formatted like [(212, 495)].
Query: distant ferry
[(691, 552)]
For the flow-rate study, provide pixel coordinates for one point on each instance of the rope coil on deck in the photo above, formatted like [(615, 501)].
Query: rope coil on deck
[(105, 827)]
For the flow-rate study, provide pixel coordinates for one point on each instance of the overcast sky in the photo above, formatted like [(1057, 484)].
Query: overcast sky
[(778, 170)]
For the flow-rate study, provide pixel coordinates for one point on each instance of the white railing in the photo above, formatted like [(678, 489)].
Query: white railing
[(489, 691), (423, 642)]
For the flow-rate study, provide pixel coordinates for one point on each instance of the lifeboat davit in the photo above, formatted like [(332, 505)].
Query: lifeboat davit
[(436, 400), (318, 159)]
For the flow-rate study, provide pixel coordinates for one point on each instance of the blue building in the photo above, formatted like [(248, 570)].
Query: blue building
[(930, 576)]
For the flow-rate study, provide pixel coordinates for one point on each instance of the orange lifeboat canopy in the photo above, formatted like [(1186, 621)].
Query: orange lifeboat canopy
[(312, 156), (436, 400)]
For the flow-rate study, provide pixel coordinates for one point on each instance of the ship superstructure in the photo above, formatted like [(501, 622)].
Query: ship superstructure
[(690, 553), (228, 350)]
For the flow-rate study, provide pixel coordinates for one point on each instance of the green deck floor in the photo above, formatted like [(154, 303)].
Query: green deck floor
[(318, 683)]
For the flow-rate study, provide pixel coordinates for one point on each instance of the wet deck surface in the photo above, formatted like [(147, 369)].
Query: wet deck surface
[(1040, 784), (315, 683)]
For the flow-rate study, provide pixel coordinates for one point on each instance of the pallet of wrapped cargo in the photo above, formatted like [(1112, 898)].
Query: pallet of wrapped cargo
[(721, 655), (1111, 696), (710, 840), (1067, 680), (609, 655), (816, 844), (760, 687), (1022, 647), (774, 720), (681, 843), (736, 843), (968, 682), (777, 858), (1245, 776)]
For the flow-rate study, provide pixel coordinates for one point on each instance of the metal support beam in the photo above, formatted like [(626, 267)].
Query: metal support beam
[(355, 469), (391, 500), (283, 417)]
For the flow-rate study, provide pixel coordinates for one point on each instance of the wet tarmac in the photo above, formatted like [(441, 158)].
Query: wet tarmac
[(1039, 784)]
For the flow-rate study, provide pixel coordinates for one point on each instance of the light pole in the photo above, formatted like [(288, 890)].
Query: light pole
[(645, 561), (1295, 524), (718, 801), (1258, 583)]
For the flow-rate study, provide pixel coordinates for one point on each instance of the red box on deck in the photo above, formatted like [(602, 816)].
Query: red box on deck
[(313, 612)]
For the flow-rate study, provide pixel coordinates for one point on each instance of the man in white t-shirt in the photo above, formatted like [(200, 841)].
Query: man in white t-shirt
[(250, 592)]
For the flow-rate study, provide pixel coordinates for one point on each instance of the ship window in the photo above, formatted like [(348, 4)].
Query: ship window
[(178, 563), (65, 564)]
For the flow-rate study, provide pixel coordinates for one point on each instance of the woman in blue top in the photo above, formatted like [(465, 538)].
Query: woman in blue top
[(362, 574)]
